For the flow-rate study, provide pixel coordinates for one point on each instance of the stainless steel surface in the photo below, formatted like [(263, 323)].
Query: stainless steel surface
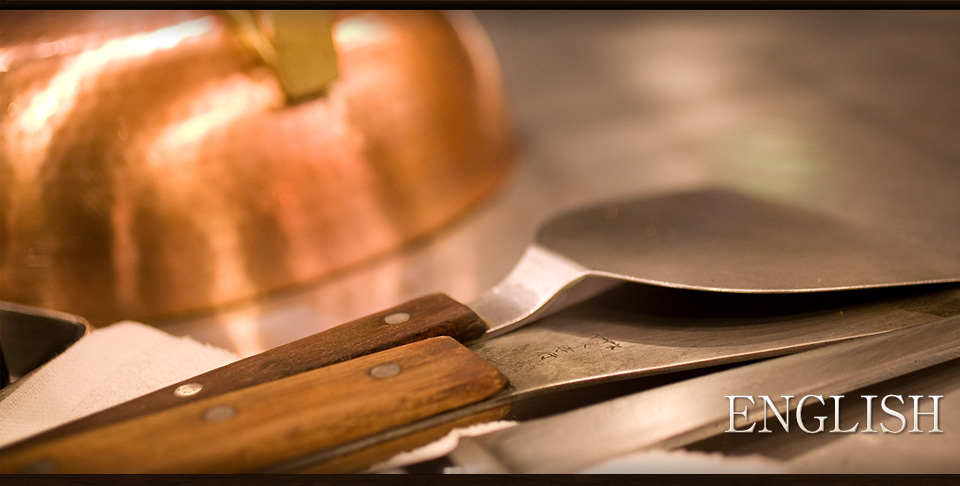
[(691, 410), (867, 453), (540, 277), (639, 331), (725, 241), (710, 239)]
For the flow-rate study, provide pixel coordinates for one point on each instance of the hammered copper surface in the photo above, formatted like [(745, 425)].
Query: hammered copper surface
[(150, 164)]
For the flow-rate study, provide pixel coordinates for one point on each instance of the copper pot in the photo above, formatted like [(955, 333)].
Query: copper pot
[(151, 163)]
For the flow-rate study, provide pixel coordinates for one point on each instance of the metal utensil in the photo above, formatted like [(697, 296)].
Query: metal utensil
[(645, 331), (30, 336), (608, 338), (692, 410), (708, 239)]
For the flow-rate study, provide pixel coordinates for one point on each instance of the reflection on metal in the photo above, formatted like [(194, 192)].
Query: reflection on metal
[(397, 318), (188, 390), (385, 370), (538, 277), (709, 239), (692, 410), (639, 330), (150, 164)]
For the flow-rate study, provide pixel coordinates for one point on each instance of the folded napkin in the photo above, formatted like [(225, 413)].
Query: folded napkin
[(108, 366)]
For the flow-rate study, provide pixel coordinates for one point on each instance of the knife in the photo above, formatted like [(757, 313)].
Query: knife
[(689, 411), (354, 416), (707, 239), (30, 336)]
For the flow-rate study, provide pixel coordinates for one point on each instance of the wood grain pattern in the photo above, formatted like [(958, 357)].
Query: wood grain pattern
[(276, 421), (429, 316)]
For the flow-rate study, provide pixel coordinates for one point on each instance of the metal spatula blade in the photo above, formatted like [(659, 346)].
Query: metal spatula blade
[(714, 240)]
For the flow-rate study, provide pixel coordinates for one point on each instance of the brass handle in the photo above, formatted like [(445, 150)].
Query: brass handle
[(296, 45)]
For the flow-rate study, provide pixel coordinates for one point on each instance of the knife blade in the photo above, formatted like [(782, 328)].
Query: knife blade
[(685, 412), (708, 239), (613, 337)]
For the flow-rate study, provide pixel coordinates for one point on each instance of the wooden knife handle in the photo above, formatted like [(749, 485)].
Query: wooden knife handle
[(250, 429), (421, 318)]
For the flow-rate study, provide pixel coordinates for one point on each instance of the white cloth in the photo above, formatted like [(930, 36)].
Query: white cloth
[(687, 462), (641, 462), (108, 366), (128, 359)]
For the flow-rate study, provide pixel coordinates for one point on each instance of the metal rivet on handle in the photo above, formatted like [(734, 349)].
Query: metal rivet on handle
[(220, 413), (188, 389), (385, 370), (397, 318)]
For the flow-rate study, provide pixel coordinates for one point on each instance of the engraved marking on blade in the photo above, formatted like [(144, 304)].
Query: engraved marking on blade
[(188, 389), (220, 413), (385, 370), (397, 318), (595, 342)]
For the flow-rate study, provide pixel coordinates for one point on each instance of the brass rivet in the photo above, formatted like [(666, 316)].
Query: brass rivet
[(188, 389), (220, 413), (385, 370), (397, 318)]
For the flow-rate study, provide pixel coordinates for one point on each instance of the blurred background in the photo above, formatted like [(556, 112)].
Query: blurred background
[(851, 113), (502, 119)]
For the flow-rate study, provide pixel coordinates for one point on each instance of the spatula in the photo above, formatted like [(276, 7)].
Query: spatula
[(710, 239), (347, 416)]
